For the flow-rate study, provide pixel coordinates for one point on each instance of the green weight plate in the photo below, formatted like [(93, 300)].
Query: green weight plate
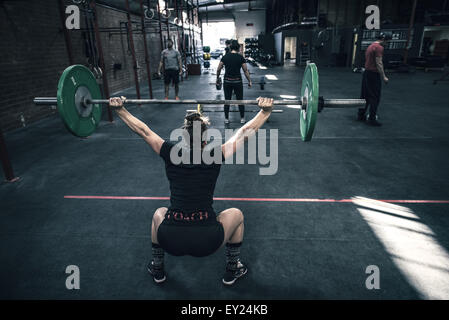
[(76, 83), (309, 90)]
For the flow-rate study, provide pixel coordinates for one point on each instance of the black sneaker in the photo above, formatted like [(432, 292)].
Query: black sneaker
[(374, 123), (361, 115), (230, 276), (158, 275)]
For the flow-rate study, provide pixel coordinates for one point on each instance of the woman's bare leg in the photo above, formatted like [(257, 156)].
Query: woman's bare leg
[(156, 266), (233, 225), (158, 217)]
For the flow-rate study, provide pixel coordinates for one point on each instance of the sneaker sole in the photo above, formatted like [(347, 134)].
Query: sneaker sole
[(161, 280), (157, 280), (228, 283)]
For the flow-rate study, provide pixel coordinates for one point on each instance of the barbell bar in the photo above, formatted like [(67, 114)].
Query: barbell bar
[(262, 83), (327, 103), (221, 110), (79, 101)]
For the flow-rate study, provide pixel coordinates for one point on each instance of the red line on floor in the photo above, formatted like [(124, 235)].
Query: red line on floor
[(116, 198), (252, 199)]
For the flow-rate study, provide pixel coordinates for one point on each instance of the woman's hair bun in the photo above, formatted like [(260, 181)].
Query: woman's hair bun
[(195, 116)]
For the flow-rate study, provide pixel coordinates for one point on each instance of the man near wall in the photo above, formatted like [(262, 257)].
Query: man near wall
[(372, 79), (172, 64)]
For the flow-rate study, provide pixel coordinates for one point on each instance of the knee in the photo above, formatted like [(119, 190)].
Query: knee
[(159, 214), (238, 214)]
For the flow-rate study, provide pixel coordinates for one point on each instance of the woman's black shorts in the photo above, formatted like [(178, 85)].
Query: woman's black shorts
[(194, 234)]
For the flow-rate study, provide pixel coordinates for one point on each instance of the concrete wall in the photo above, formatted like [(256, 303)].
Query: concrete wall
[(33, 55), (279, 47)]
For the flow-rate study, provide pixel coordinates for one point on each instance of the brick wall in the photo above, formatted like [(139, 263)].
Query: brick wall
[(33, 55)]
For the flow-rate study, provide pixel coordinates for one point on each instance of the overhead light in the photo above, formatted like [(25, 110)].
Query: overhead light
[(220, 1)]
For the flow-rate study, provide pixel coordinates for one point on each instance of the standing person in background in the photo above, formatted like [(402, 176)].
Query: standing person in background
[(228, 44), (172, 64), (372, 79), (233, 62)]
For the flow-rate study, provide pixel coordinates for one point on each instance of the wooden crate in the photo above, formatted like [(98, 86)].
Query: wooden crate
[(194, 69)]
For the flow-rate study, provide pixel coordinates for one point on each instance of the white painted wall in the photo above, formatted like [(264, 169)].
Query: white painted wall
[(257, 18)]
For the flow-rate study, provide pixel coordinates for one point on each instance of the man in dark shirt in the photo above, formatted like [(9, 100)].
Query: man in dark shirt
[(233, 62), (190, 226), (371, 81)]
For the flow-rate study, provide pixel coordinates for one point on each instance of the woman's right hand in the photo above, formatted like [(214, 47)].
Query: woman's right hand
[(266, 104), (117, 102)]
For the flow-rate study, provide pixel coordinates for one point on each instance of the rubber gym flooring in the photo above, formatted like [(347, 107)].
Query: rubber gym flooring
[(315, 242)]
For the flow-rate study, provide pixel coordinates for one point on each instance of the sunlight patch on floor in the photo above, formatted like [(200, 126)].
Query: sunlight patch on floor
[(411, 244)]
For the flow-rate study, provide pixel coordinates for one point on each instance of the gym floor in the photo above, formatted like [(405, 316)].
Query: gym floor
[(316, 243)]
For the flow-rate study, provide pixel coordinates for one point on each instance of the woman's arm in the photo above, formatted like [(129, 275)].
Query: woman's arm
[(220, 66), (249, 129), (245, 70), (136, 125)]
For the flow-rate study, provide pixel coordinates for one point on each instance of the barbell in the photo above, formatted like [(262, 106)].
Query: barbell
[(79, 101), (201, 110)]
